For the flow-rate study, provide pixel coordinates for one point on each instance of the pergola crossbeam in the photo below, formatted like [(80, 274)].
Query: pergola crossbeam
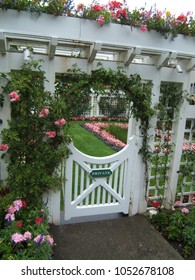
[(93, 51), (130, 55), (191, 65), (164, 59), (3, 47), (52, 47)]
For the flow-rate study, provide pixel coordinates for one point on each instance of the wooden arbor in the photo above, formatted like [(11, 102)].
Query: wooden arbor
[(65, 41)]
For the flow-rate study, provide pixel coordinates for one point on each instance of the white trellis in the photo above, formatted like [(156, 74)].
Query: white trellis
[(63, 42)]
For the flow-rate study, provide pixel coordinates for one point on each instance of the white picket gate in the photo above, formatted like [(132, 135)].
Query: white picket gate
[(98, 185)]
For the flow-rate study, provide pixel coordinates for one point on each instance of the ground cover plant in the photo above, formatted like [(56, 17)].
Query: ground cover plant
[(177, 226)]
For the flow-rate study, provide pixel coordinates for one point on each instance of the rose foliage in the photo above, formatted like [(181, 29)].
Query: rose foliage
[(34, 143)]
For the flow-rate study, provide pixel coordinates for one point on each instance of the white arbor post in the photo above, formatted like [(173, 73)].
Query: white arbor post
[(52, 202), (137, 203), (178, 139)]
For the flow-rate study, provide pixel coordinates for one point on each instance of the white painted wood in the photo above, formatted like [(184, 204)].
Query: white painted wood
[(178, 139), (70, 28), (118, 197), (54, 211)]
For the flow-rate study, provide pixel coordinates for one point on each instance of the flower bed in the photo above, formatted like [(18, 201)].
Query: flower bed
[(99, 129), (178, 227), (100, 119), (24, 231)]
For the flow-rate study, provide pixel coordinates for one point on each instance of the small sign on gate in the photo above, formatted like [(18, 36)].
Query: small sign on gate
[(97, 173)]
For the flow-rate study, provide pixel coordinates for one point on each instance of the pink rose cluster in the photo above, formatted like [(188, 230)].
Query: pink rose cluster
[(16, 206), (43, 114), (178, 203)]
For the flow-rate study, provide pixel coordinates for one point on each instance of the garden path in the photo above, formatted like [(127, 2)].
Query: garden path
[(126, 238)]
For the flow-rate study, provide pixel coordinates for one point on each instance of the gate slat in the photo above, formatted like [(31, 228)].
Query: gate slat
[(121, 181), (82, 183), (76, 181)]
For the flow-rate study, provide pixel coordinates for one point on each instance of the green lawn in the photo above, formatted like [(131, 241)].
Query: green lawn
[(86, 142)]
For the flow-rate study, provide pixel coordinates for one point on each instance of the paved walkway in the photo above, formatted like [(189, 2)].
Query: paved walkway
[(127, 238)]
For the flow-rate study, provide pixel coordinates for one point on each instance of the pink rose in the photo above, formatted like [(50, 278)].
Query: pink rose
[(12, 209), (44, 113), (60, 122), (14, 96), (100, 20), (17, 204), (50, 134), (4, 147), (80, 7), (178, 203), (185, 210), (143, 28)]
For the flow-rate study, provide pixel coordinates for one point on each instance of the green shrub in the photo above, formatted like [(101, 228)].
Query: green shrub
[(178, 226)]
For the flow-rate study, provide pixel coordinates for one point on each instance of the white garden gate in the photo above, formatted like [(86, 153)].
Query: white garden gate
[(98, 185)]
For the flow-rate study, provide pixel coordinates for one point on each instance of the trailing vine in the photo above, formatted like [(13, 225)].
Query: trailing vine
[(76, 86)]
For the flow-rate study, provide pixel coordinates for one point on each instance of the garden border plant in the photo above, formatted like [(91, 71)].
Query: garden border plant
[(178, 227), (114, 11)]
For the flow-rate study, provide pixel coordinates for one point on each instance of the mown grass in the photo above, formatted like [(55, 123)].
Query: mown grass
[(88, 143)]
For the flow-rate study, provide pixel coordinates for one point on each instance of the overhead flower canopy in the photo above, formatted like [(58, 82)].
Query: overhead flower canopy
[(113, 12)]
